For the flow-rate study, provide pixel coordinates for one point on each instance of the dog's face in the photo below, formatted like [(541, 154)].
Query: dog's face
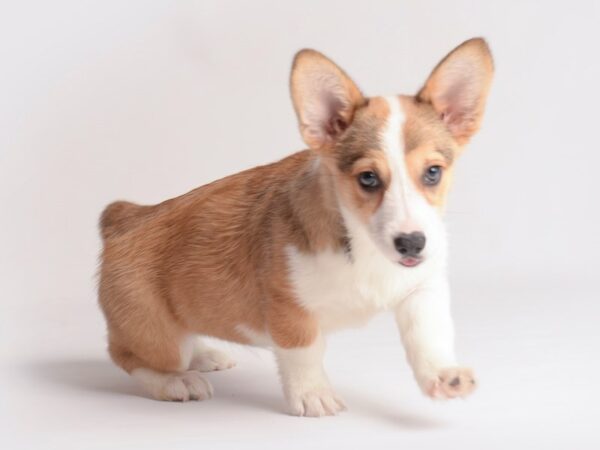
[(392, 157)]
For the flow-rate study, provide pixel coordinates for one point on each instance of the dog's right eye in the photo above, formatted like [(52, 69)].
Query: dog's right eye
[(369, 181)]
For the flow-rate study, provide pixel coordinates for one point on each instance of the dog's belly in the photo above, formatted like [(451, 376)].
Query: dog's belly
[(345, 293)]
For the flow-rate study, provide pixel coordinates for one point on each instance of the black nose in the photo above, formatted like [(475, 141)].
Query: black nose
[(410, 244)]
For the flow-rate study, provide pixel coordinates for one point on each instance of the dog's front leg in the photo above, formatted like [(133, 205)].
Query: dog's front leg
[(305, 383), (427, 332)]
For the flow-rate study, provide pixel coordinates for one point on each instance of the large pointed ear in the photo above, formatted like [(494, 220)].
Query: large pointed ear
[(458, 87), (324, 97)]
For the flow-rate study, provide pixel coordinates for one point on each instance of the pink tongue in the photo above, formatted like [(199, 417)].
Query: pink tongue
[(409, 261)]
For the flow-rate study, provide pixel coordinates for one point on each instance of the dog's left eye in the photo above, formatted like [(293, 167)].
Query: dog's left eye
[(432, 175), (369, 180)]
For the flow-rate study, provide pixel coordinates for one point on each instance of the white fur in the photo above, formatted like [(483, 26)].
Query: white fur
[(189, 385), (345, 293), (427, 330), (393, 213), (347, 289), (207, 359), (257, 338), (403, 209), (186, 351), (305, 384)]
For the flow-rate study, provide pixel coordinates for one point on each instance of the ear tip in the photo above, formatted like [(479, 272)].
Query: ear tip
[(479, 44), (307, 53), (478, 40)]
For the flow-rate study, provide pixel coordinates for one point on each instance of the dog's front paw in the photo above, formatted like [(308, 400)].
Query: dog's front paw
[(315, 403), (451, 382)]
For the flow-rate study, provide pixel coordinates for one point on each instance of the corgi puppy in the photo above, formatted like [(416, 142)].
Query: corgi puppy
[(281, 255)]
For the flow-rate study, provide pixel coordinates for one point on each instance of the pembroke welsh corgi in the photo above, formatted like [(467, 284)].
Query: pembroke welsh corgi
[(283, 254)]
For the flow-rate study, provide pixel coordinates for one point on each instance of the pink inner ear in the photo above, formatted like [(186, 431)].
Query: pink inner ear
[(334, 122), (457, 121), (325, 99), (336, 126), (457, 88), (453, 116), (457, 103)]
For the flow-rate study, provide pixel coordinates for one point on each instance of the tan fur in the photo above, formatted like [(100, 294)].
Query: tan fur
[(359, 150), (214, 259), (428, 142), (445, 113)]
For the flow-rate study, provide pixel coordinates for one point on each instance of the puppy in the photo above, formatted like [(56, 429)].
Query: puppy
[(283, 254)]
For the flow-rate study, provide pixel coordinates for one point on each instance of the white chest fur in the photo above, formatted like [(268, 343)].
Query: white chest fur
[(345, 290)]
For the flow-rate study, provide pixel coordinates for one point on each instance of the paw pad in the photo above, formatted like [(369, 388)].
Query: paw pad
[(452, 383)]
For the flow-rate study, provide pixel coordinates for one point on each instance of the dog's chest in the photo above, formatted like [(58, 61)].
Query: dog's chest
[(343, 291)]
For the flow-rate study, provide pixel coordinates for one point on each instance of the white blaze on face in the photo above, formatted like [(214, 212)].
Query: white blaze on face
[(403, 209)]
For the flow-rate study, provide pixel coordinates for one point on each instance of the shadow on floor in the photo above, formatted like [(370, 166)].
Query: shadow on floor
[(88, 375), (235, 388), (382, 408)]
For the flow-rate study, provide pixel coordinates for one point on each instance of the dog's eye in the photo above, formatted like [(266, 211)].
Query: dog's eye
[(369, 181), (432, 175)]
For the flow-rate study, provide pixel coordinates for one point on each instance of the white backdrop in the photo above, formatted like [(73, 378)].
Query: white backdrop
[(144, 101)]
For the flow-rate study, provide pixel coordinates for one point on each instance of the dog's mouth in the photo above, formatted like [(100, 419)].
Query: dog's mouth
[(410, 261)]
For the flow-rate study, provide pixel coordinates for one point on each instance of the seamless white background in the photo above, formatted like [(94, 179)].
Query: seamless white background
[(144, 101)]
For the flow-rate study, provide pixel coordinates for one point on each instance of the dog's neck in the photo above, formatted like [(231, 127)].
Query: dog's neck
[(315, 210)]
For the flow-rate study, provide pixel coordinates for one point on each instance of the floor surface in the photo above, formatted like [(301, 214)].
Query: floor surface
[(535, 352)]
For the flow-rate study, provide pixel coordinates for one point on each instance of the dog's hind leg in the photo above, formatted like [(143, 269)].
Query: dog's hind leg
[(207, 359)]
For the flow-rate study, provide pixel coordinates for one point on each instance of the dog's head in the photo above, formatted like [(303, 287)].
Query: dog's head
[(392, 157)]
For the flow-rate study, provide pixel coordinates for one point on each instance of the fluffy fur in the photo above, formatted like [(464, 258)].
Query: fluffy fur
[(282, 254)]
